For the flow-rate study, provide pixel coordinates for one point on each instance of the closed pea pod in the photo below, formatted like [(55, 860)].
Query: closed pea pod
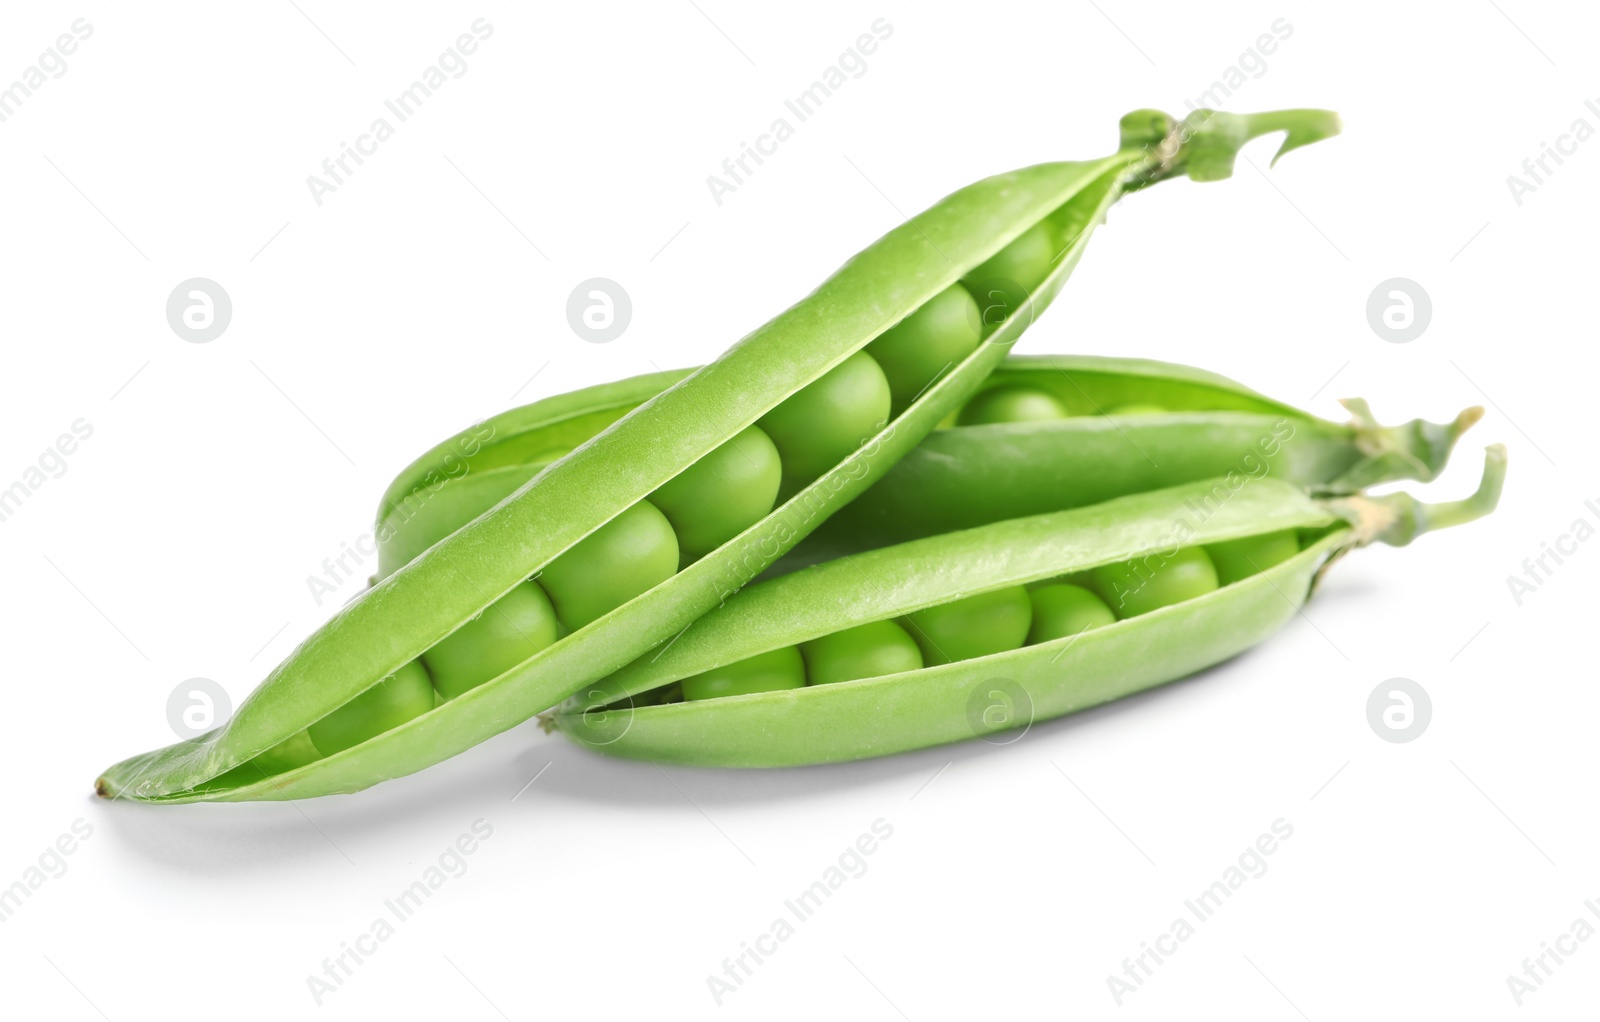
[(538, 528), (1052, 675)]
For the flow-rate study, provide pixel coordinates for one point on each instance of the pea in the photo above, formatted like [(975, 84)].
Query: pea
[(820, 424), (865, 651), (1061, 609), (509, 631), (764, 672), (1236, 559), (1154, 581), (974, 626), (1004, 283), (722, 494), (1136, 408), (405, 694), (916, 351), (634, 552), (1012, 404), (294, 751)]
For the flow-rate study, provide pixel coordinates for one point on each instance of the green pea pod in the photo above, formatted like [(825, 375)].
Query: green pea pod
[(876, 716), (1208, 427), (961, 476), (600, 489)]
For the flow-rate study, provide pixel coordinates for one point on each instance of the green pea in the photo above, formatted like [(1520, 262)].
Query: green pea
[(722, 494), (294, 751), (1136, 408), (1155, 580), (1060, 610), (1004, 283), (818, 425), (1240, 558), (631, 554), (866, 651), (765, 672), (509, 631), (973, 626), (405, 694), (917, 350), (1012, 404)]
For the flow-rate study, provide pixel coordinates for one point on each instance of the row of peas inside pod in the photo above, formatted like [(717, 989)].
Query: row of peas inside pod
[(915, 644), (997, 620)]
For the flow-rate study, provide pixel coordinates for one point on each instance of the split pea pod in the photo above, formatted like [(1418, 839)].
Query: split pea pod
[(1060, 612), (1197, 425), (1121, 426), (603, 556)]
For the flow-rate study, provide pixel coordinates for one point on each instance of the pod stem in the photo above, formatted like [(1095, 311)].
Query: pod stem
[(1413, 450), (1205, 143), (1398, 518)]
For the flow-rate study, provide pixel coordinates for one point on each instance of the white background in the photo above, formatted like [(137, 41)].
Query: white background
[(427, 291)]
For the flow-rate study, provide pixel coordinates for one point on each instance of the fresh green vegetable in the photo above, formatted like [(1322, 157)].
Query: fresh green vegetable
[(583, 530), (1061, 670)]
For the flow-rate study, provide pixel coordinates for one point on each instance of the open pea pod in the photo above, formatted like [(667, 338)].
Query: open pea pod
[(1130, 426), (1065, 611), (1079, 446), (582, 568)]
